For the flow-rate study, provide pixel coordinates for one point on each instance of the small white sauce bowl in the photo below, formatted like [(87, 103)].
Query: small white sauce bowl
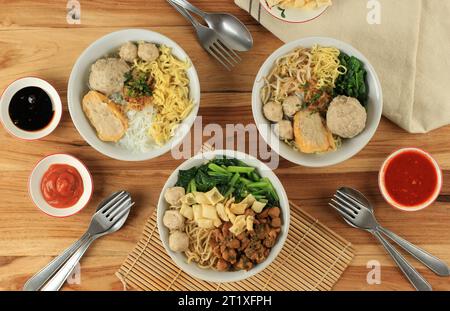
[(34, 185), (385, 193), (16, 86)]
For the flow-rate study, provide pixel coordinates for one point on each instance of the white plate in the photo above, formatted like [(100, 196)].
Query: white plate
[(350, 147), (78, 87), (209, 274), (34, 185), (293, 15), (16, 86)]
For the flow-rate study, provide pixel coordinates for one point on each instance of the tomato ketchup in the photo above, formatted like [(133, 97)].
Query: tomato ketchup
[(410, 179), (61, 186)]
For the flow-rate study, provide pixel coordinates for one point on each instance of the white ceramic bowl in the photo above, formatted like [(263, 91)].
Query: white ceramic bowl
[(34, 185), (293, 15), (211, 275), (385, 193), (16, 86), (78, 87), (350, 147)]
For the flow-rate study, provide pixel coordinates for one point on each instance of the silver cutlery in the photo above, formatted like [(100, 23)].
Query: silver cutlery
[(229, 28), (348, 203), (110, 216), (210, 40)]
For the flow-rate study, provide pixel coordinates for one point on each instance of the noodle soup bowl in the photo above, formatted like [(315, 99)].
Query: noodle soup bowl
[(78, 87), (350, 147), (212, 275)]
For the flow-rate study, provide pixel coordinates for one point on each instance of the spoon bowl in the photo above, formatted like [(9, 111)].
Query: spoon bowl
[(231, 30), (228, 27)]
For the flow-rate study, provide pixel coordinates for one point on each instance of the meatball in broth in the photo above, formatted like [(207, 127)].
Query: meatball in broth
[(284, 130), (148, 51), (291, 105), (178, 241), (346, 117), (128, 52), (173, 195), (273, 111), (108, 75)]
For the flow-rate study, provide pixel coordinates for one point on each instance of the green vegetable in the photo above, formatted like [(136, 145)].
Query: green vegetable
[(353, 83), (240, 169), (136, 84), (231, 177)]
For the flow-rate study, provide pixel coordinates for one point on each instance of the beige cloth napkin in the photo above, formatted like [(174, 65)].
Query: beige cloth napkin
[(410, 50)]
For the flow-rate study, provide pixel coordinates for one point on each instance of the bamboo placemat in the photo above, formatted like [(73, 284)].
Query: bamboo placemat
[(313, 258)]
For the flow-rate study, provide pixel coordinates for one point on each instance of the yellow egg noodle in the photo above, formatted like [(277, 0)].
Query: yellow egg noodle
[(170, 94), (299, 4), (200, 251), (291, 72), (326, 66)]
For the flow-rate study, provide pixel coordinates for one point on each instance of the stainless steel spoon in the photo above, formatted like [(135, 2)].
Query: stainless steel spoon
[(110, 216), (231, 30), (433, 263)]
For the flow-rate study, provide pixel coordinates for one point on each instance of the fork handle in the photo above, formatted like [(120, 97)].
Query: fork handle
[(190, 7), (184, 12), (60, 277), (433, 263), (416, 279), (39, 279)]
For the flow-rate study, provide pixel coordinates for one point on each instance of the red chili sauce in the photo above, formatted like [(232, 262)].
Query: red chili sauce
[(411, 178), (61, 186)]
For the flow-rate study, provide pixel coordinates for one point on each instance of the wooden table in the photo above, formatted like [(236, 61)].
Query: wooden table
[(35, 39)]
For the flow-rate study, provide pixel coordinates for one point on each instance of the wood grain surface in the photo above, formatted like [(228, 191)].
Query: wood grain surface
[(36, 40)]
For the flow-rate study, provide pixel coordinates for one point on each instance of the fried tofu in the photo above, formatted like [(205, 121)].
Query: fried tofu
[(311, 135), (105, 116)]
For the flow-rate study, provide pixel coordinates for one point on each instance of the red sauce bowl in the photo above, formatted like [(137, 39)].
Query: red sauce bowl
[(410, 179)]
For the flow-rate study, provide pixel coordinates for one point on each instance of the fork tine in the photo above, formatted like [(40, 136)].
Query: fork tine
[(346, 203), (111, 202), (210, 51), (119, 208), (342, 213), (343, 208), (116, 205), (122, 213), (351, 198), (229, 52), (217, 50)]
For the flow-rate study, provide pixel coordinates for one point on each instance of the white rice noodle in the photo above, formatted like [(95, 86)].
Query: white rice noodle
[(136, 138)]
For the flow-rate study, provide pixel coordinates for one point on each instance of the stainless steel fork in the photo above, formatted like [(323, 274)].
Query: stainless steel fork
[(110, 217), (210, 40), (357, 216)]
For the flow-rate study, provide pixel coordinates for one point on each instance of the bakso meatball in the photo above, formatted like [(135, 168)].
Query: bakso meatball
[(128, 52), (148, 51), (173, 220), (291, 105), (273, 111), (107, 75), (178, 241), (346, 117), (284, 130), (174, 194)]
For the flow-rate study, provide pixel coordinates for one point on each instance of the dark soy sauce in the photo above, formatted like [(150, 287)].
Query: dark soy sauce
[(31, 109)]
